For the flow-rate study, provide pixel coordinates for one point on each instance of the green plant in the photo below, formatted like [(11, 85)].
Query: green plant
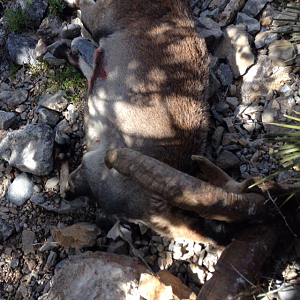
[(17, 20), (13, 69), (56, 7)]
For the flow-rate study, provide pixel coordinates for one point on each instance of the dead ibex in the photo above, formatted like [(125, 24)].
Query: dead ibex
[(147, 97)]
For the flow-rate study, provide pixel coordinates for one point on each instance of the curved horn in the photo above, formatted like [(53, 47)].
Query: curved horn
[(183, 190)]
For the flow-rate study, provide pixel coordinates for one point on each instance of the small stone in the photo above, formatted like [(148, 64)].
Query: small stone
[(281, 52), (222, 107), (55, 102), (209, 29), (6, 119), (20, 190), (265, 38), (6, 230), (252, 25), (28, 238), (52, 60), (14, 263), (230, 11), (224, 74), (118, 247), (51, 183), (227, 160), (11, 99), (229, 124), (254, 7), (232, 102), (71, 31), (196, 274), (48, 117), (217, 137), (51, 260), (270, 95)]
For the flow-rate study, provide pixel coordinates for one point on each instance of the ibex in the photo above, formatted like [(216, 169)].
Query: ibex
[(146, 124)]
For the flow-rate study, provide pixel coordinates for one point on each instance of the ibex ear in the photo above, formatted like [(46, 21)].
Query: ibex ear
[(217, 177)]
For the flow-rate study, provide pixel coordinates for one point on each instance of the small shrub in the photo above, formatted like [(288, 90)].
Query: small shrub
[(56, 7), (17, 20)]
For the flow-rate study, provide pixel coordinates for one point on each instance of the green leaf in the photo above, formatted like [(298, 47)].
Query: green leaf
[(292, 118), (290, 157), (285, 126), (287, 151)]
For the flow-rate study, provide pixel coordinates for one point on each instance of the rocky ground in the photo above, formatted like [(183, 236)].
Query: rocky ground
[(41, 97)]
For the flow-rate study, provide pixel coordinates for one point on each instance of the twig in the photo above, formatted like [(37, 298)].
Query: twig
[(283, 217)]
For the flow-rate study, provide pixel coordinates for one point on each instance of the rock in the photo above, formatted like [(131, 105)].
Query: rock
[(29, 149), (6, 119), (252, 25), (2, 37), (224, 74), (227, 160), (232, 102), (214, 83), (64, 206), (35, 10), (196, 274), (209, 29), (51, 183), (63, 126), (28, 238), (85, 48), (97, 275), (51, 259), (77, 236), (40, 49), (217, 137), (281, 52), (71, 31), (118, 247), (151, 288), (48, 117), (21, 48), (222, 107), (289, 291), (52, 60), (261, 78), (20, 190), (11, 99), (6, 230), (230, 12), (229, 124), (235, 47), (221, 4), (71, 114), (55, 102), (50, 29), (265, 38), (254, 7)]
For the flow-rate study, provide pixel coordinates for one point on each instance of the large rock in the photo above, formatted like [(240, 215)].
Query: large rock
[(235, 47), (6, 119), (97, 276), (261, 78), (85, 48), (56, 102), (20, 190), (29, 149), (21, 48)]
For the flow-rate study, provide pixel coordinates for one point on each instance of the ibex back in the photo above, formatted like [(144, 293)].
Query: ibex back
[(147, 92)]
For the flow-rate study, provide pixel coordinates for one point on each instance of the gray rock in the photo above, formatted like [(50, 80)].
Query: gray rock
[(6, 230), (50, 29), (71, 114), (52, 60), (221, 4), (225, 75), (2, 37), (261, 78), (35, 11), (232, 102), (217, 137), (91, 274), (63, 126), (85, 48), (21, 48), (254, 7), (40, 49), (265, 38), (214, 83), (52, 183), (11, 99), (230, 12), (55, 102), (222, 107), (71, 31), (63, 207), (51, 260), (281, 52), (48, 117), (29, 149), (20, 190), (6, 119), (252, 25), (28, 238), (227, 160), (209, 29)]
